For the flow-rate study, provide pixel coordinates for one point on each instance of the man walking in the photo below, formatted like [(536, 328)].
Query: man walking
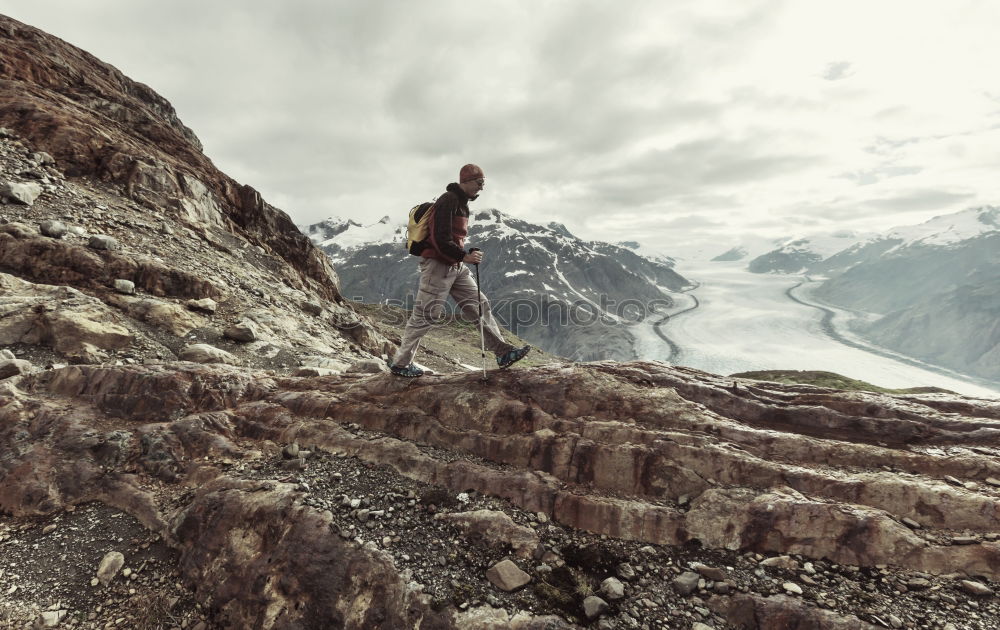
[(442, 273)]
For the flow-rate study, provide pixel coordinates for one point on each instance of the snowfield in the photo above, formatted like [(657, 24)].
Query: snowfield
[(746, 321)]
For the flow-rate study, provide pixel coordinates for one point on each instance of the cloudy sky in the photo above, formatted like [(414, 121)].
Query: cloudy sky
[(678, 124)]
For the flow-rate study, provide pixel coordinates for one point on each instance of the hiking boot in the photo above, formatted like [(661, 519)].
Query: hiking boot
[(410, 371), (513, 356)]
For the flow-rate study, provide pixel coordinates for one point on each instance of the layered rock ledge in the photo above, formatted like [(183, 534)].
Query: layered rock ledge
[(639, 453)]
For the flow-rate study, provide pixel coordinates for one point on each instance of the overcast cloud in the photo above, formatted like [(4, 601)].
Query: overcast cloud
[(676, 124)]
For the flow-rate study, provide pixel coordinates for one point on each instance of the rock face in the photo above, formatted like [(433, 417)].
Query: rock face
[(61, 99), (62, 318), (606, 448)]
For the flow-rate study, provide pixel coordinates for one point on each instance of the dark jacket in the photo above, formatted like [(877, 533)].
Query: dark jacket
[(446, 241)]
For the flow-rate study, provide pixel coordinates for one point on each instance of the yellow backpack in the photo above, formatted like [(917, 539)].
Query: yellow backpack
[(418, 228)]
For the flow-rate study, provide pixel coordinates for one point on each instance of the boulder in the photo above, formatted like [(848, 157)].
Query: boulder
[(14, 367), (368, 366), (314, 371), (24, 193), (170, 316), (709, 573), (42, 158), (205, 305), (204, 353), (686, 583), (101, 241), (976, 588), (613, 589), (325, 362), (244, 331), (74, 324), (594, 607), (111, 564), (125, 287), (495, 527), (312, 307), (507, 576), (53, 229)]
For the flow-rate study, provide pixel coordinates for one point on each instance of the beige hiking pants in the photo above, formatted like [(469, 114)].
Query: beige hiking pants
[(438, 280)]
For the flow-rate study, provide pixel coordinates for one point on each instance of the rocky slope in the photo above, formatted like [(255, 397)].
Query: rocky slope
[(934, 285), (565, 295), (288, 482), (801, 255)]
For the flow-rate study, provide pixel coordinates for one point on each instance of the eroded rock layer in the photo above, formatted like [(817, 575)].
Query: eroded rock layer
[(636, 452)]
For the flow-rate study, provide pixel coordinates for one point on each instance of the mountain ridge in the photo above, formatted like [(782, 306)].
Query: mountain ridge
[(537, 270)]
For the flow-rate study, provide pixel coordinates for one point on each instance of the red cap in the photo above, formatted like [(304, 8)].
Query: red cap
[(470, 172)]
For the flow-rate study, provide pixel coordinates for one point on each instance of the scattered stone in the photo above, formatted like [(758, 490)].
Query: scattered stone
[(912, 524), (701, 626), (971, 485), (495, 527), (686, 582), (100, 241), (792, 587), (594, 607), (311, 307), (625, 571), (14, 367), (48, 529), (24, 194), (781, 562), (53, 229), (507, 576), (125, 287), (205, 305), (711, 573), (368, 366), (993, 481), (291, 451), (964, 540), (110, 565), (52, 618), (805, 579), (204, 353), (244, 331), (613, 589), (314, 371), (324, 362), (722, 588), (918, 584), (953, 481), (7, 354), (42, 158), (976, 588), (895, 621)]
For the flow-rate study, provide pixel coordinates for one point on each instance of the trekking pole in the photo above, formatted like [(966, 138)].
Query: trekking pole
[(479, 295)]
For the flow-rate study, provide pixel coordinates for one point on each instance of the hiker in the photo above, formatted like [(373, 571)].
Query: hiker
[(443, 273)]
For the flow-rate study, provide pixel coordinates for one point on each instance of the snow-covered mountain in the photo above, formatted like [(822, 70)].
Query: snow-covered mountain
[(936, 286), (558, 291), (800, 254)]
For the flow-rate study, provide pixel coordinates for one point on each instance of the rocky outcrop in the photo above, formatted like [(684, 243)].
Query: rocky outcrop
[(634, 452), (74, 324), (95, 121)]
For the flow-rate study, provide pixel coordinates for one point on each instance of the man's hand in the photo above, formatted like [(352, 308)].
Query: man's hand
[(474, 257)]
